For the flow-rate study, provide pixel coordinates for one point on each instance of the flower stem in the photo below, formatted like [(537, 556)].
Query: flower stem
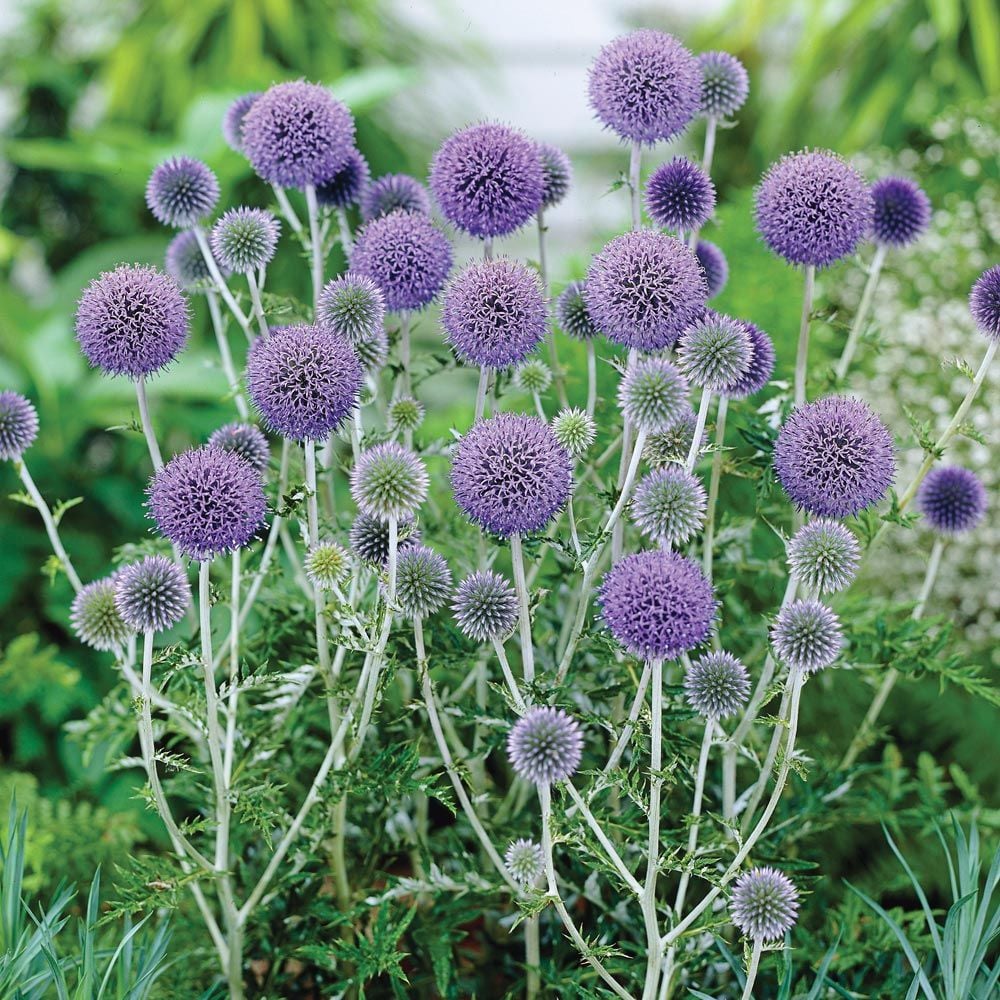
[(147, 425), (758, 947), (315, 244), (711, 125), (713, 485), (543, 271), (802, 354), (50, 524), (258, 306), (319, 600), (226, 355), (635, 183), (648, 898), (393, 554), (220, 283), (699, 429), (524, 611), (286, 209), (484, 381), (867, 296), (591, 378)]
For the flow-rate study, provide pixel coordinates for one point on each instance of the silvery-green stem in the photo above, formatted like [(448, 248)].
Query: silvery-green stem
[(346, 239), (758, 947), (543, 270), (713, 485), (319, 601), (393, 551), (508, 676), (50, 524), (711, 124), (315, 244), (648, 897), (484, 380), (488, 248), (286, 209), (220, 283), (613, 856), (591, 378), (234, 668), (524, 612), (802, 353), (258, 306), (867, 296), (635, 184), (147, 425), (225, 355), (699, 429), (618, 534), (571, 519), (631, 471), (626, 734), (539, 409), (766, 768)]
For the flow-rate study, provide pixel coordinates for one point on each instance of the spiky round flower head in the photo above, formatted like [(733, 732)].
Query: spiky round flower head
[(232, 121), (713, 264), (18, 425), (181, 192), (657, 604), (487, 179), (351, 305), (344, 187), (152, 595), (902, 211), (572, 314), (132, 321), (494, 313), (374, 352), (485, 606), (405, 414), (525, 861), (245, 239), (813, 208), (95, 618), (715, 352), (952, 499), (534, 376), (823, 556), (406, 255), (303, 380), (680, 195), (510, 475), (645, 86), (717, 685), (724, 84), (984, 303), (557, 173), (765, 904), (297, 134), (245, 440), (669, 505), (653, 395), (575, 430), (806, 635), (672, 444), (761, 365), (185, 263), (643, 289), (207, 501), (326, 564), (545, 745), (369, 538), (423, 581), (391, 192), (834, 457), (388, 481)]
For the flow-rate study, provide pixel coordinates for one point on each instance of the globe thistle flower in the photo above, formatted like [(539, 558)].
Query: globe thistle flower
[(724, 84), (813, 208), (545, 745), (245, 440), (680, 195), (423, 581), (388, 481), (232, 121), (533, 377), (765, 904), (95, 618), (304, 381), (207, 501), (823, 556), (672, 444), (761, 365), (485, 606), (406, 255), (369, 538), (645, 86), (575, 430), (132, 321), (185, 263), (669, 505), (657, 604), (643, 289), (714, 266), (391, 192), (181, 192), (653, 395), (717, 685), (524, 861), (572, 314), (18, 425), (152, 595), (834, 457), (557, 173), (807, 636), (487, 180), (406, 414), (373, 352), (494, 313), (296, 134), (345, 186), (245, 239), (984, 303), (951, 499), (715, 352), (326, 564), (352, 306), (902, 211), (510, 475)]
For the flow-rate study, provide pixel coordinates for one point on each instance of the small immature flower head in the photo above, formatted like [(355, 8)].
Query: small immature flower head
[(807, 636), (391, 192), (152, 595), (653, 395), (232, 121), (353, 306), (984, 303), (485, 606), (245, 440), (672, 444), (373, 352), (304, 381), (524, 861), (715, 352), (405, 414), (813, 208), (724, 84), (245, 239), (761, 365), (952, 499), (680, 195), (644, 288), (207, 501), (369, 538), (95, 618), (132, 321), (344, 188), (902, 211), (645, 86), (18, 425), (717, 685), (326, 564), (574, 430), (669, 505), (181, 192), (510, 475), (185, 263), (713, 263), (534, 376), (765, 904), (572, 314), (557, 173), (423, 581), (823, 556), (388, 481), (657, 604), (834, 457), (545, 745), (487, 180)]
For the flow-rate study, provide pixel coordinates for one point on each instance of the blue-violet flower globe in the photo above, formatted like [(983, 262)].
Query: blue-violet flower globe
[(725, 84), (152, 595), (902, 211), (951, 499), (714, 265), (984, 303), (391, 192), (680, 195), (181, 192), (764, 905), (18, 425), (485, 606), (717, 685), (807, 636), (245, 239), (245, 440), (545, 745), (345, 187)]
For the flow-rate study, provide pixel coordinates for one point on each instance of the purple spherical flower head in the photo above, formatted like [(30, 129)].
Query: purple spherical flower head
[(152, 595), (352, 306), (761, 365), (717, 685), (510, 475), (185, 263), (724, 84), (834, 457), (680, 195), (344, 187), (645, 86), (245, 239), (391, 192), (406, 255), (653, 395), (545, 745), (807, 636), (487, 180), (132, 321), (823, 556), (715, 352), (494, 313), (181, 192), (572, 314), (246, 441), (902, 211), (813, 208), (388, 481), (644, 288), (297, 134), (304, 381), (765, 904), (952, 499), (485, 606), (232, 121), (95, 618), (984, 303), (423, 581), (669, 505), (557, 173), (657, 604), (18, 425), (713, 264)]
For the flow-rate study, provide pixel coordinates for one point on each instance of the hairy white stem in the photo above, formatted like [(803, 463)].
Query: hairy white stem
[(484, 381), (864, 307), (524, 611), (220, 283), (226, 355), (714, 479), (315, 244), (319, 601), (591, 378), (50, 524), (758, 947), (258, 306), (286, 210), (648, 898), (711, 125), (147, 424), (802, 353), (508, 676), (699, 429), (635, 184), (613, 856)]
